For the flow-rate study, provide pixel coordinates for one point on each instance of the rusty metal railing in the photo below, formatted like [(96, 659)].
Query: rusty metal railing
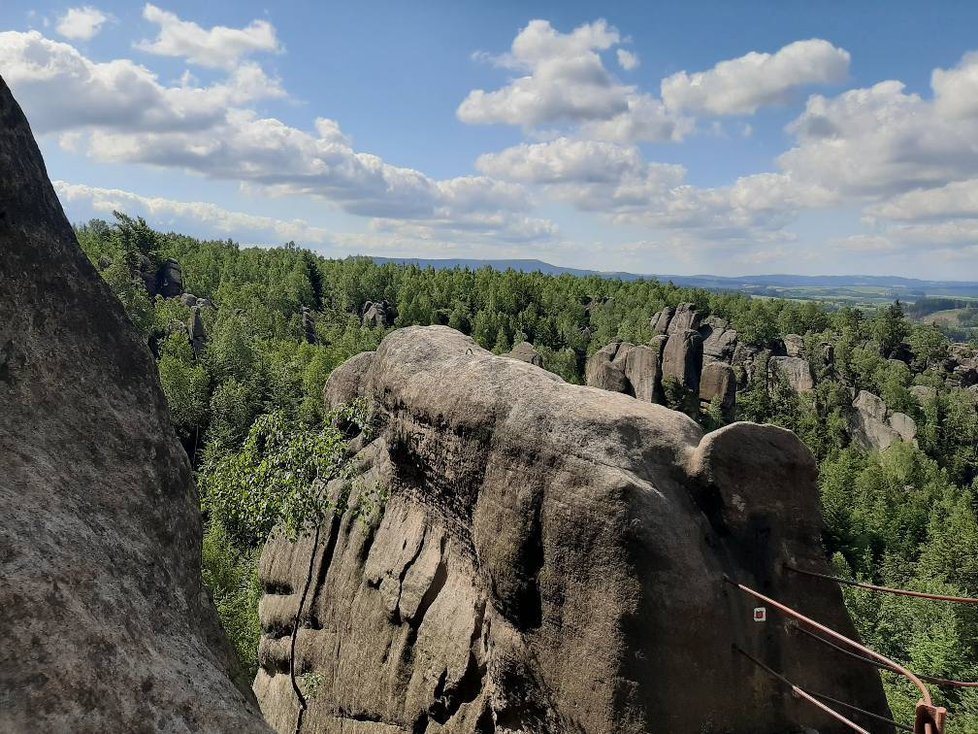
[(929, 719)]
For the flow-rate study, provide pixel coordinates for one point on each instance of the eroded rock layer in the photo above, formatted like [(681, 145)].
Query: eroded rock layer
[(104, 622), (549, 558)]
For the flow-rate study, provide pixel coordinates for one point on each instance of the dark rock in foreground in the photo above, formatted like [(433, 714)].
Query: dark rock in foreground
[(550, 559), (104, 622)]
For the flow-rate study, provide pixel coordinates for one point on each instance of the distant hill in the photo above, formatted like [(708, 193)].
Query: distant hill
[(858, 288)]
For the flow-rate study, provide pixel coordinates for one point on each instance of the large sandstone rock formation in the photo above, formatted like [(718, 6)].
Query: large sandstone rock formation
[(797, 372), (682, 358), (550, 559), (632, 369), (874, 426), (104, 622)]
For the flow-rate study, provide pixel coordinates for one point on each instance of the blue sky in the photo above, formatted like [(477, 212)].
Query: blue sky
[(719, 137)]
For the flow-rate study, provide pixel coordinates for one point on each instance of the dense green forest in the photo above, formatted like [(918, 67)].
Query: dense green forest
[(246, 398)]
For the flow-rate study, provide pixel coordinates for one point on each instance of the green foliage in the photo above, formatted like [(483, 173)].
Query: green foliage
[(277, 479), (131, 292), (232, 579)]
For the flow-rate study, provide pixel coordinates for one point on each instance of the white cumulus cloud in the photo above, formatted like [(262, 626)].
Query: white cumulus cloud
[(627, 60), (217, 47), (81, 24), (64, 90), (743, 85)]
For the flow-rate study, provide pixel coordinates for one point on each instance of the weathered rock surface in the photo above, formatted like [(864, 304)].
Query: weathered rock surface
[(719, 340), (378, 314), (104, 621), (526, 352), (682, 358), (197, 333), (628, 368), (794, 345), (660, 322), (605, 370), (719, 381), (795, 370), (873, 426), (169, 279), (550, 559), (685, 318)]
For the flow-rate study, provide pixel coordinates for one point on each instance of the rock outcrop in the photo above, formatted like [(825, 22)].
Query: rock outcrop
[(169, 279), (632, 369), (378, 314), (685, 318), (660, 322), (874, 426), (526, 352), (719, 340), (719, 382), (550, 558), (105, 624), (795, 370), (682, 358), (794, 345)]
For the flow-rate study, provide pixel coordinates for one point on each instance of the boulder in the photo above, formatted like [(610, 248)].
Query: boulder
[(905, 426), (682, 359), (106, 625), (794, 345), (719, 381), (643, 370), (685, 318), (169, 279), (602, 370), (628, 368), (660, 322), (526, 352), (188, 299), (719, 340), (381, 314), (873, 426), (795, 370), (550, 559)]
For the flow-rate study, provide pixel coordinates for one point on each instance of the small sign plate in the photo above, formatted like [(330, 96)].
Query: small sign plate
[(760, 614)]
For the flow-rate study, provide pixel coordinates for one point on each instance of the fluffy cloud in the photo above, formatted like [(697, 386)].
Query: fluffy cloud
[(287, 161), (64, 90), (563, 160), (616, 181), (880, 141), (218, 47), (566, 81), (956, 90), (213, 217), (627, 60), (955, 200), (741, 86), (81, 24)]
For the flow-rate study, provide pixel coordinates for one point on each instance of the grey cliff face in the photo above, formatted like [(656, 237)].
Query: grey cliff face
[(105, 624), (550, 559)]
